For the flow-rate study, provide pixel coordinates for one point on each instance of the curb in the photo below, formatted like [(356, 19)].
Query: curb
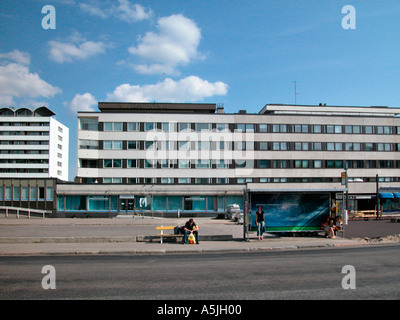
[(163, 251)]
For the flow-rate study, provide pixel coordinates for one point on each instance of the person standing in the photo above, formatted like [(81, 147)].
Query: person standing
[(260, 222)]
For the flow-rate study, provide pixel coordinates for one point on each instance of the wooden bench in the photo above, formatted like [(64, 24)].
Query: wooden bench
[(162, 234)]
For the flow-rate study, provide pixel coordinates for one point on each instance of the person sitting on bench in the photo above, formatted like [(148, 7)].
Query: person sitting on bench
[(191, 227)]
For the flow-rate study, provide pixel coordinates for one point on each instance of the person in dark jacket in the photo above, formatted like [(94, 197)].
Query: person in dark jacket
[(260, 222)]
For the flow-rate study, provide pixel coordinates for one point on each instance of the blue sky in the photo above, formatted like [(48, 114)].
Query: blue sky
[(243, 54)]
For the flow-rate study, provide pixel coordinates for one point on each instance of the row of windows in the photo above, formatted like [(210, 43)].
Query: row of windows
[(24, 170), (93, 124), (19, 143), (25, 161), (24, 133), (237, 145), (228, 180), (221, 164), (24, 124), (26, 193), (24, 151)]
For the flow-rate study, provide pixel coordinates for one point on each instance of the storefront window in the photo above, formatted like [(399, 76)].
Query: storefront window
[(75, 203), (159, 203), (195, 203), (98, 203), (174, 203), (143, 203)]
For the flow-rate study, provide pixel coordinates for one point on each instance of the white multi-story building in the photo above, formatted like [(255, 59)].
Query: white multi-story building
[(33, 144), (196, 158)]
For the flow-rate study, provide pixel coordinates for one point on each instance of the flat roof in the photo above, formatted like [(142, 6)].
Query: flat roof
[(382, 111), (156, 107)]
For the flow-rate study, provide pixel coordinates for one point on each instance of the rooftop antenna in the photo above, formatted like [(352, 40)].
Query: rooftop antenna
[(295, 92)]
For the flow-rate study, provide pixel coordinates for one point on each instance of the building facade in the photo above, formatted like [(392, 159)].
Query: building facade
[(194, 158), (33, 144)]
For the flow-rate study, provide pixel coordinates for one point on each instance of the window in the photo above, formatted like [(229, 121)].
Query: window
[(334, 146), (203, 127), (183, 180), (112, 126), (301, 128), (133, 126), (183, 126), (203, 145), (49, 193), (330, 146), (241, 127), (356, 129), (112, 145), (202, 180), (133, 145), (222, 164), (148, 126), (167, 126), (132, 163), (150, 145), (262, 128), (317, 164), (265, 164), (89, 144), (263, 145), (330, 129), (281, 146), (112, 163), (368, 130), (112, 180), (150, 163), (301, 163), (167, 180), (183, 164), (90, 124), (317, 128), (222, 127), (334, 164), (338, 129), (203, 164), (183, 145), (317, 146), (348, 129)]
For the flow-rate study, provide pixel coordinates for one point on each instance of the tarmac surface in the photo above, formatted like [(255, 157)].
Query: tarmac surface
[(126, 235)]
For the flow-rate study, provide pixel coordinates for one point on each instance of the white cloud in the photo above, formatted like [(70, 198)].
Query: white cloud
[(190, 89), (124, 10), (175, 43), (130, 12), (84, 102), (94, 10), (16, 80), (17, 56), (76, 48)]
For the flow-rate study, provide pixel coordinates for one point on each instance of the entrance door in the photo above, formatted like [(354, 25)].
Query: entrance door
[(127, 205)]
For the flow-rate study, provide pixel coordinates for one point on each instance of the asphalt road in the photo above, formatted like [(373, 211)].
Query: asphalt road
[(300, 274)]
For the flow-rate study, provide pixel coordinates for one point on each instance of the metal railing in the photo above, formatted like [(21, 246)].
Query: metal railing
[(18, 211)]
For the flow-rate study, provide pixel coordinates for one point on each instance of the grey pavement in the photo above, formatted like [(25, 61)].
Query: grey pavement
[(38, 236)]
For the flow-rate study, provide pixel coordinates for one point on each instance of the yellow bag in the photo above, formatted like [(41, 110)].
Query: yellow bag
[(191, 239)]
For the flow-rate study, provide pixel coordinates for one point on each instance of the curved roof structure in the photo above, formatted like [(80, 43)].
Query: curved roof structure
[(26, 112)]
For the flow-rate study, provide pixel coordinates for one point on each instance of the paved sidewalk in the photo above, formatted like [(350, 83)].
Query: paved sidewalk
[(118, 236)]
